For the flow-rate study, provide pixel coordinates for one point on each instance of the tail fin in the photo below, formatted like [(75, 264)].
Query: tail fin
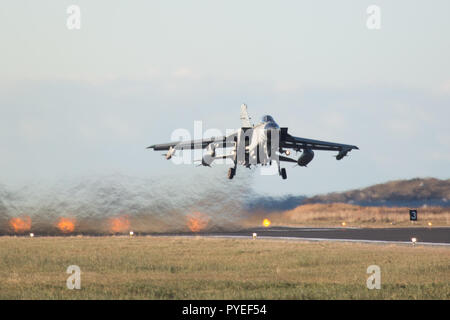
[(245, 119)]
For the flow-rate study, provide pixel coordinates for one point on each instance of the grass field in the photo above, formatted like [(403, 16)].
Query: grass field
[(207, 268), (335, 214)]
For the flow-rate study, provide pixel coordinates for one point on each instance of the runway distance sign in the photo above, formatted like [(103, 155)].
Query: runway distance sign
[(413, 215)]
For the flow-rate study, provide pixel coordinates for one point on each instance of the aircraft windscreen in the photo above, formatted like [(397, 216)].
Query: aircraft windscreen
[(267, 118)]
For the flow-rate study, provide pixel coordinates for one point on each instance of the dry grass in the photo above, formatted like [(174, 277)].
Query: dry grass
[(205, 268), (336, 213)]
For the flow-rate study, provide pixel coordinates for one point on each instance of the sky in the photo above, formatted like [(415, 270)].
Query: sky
[(88, 101)]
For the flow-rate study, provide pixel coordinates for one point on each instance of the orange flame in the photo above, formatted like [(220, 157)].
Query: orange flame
[(266, 223), (119, 224), (66, 225), (20, 224), (197, 221)]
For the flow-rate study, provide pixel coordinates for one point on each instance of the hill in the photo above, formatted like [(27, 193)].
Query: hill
[(414, 192)]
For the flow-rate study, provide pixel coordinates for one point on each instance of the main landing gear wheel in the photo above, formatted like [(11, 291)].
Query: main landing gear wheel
[(283, 173), (231, 173)]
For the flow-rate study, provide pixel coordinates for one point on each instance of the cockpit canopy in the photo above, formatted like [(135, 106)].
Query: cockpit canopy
[(267, 118), (269, 122)]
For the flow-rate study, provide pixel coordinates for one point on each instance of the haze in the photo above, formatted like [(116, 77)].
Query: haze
[(88, 101)]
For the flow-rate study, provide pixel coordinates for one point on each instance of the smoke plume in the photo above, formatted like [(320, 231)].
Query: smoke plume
[(115, 203)]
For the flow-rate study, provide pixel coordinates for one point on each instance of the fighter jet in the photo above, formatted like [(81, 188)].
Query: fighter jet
[(259, 144)]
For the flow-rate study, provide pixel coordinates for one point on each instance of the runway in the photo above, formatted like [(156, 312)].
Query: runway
[(435, 235), (425, 236)]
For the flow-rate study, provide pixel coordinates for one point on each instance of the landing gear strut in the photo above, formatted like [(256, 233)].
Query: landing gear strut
[(282, 171), (283, 174), (231, 173)]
